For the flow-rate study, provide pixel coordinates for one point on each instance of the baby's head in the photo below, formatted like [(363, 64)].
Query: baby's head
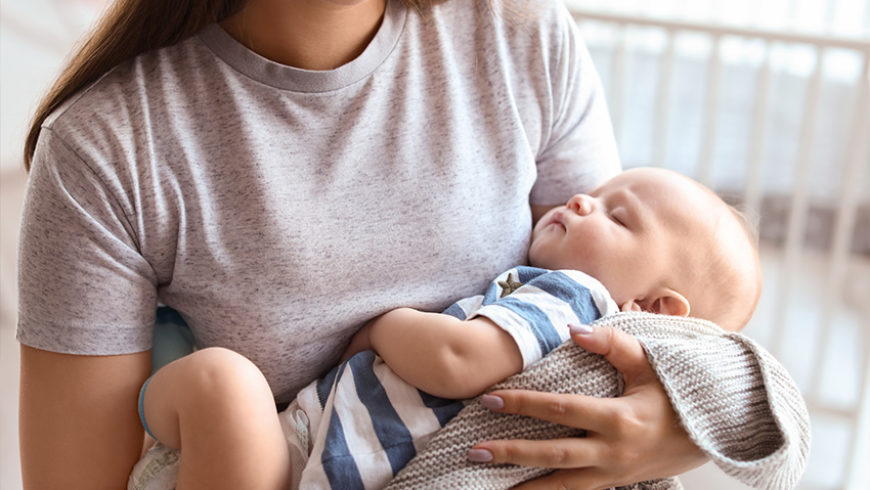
[(658, 241)]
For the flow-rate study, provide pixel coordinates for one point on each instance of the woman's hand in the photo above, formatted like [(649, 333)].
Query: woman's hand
[(633, 438)]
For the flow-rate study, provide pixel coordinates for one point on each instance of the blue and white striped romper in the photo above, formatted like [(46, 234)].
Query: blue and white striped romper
[(366, 423)]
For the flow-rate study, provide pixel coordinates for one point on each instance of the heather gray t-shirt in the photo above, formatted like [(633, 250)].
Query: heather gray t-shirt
[(277, 209)]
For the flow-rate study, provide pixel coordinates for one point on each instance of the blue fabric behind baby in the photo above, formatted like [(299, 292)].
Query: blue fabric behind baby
[(172, 338)]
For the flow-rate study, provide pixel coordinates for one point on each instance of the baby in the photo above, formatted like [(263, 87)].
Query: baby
[(648, 239)]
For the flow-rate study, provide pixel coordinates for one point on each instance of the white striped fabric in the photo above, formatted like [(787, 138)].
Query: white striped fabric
[(367, 423)]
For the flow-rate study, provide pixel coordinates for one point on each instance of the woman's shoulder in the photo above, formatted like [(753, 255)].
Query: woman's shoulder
[(512, 28), (513, 14), (122, 94), (529, 9)]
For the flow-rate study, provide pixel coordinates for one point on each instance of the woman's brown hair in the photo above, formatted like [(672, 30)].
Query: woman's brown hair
[(129, 28)]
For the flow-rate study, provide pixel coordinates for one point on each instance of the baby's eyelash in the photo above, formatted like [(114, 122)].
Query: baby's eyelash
[(618, 221)]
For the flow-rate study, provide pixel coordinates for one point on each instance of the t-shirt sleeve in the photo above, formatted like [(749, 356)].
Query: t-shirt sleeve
[(537, 313), (84, 288), (578, 150)]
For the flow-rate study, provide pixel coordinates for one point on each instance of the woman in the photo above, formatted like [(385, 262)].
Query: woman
[(280, 171)]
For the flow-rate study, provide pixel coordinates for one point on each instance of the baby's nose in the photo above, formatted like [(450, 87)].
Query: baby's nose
[(581, 204)]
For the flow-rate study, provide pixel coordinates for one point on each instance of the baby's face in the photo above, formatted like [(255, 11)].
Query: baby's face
[(627, 233)]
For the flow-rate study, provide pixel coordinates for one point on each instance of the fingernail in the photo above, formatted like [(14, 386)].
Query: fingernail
[(479, 455), (492, 402), (581, 329)]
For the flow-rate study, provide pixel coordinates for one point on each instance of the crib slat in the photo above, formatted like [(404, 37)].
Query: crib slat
[(831, 410), (853, 479), (853, 176), (802, 168), (663, 103), (753, 192), (794, 242), (791, 15), (617, 82), (755, 20), (712, 28), (831, 15), (708, 137), (844, 221)]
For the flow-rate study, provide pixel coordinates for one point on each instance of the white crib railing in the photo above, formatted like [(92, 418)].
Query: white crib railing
[(847, 247)]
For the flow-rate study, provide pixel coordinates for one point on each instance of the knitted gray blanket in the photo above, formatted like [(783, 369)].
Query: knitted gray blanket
[(736, 401)]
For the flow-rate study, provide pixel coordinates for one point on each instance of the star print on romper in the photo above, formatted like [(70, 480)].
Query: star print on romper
[(509, 286)]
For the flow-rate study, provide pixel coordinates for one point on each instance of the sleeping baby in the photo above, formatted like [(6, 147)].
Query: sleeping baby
[(646, 240)]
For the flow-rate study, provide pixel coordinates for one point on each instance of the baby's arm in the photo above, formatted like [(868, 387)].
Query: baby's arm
[(442, 355)]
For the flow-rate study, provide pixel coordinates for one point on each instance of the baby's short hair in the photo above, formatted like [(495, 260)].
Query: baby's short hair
[(737, 282)]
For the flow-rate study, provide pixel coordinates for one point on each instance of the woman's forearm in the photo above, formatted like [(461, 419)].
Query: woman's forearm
[(78, 420), (443, 355)]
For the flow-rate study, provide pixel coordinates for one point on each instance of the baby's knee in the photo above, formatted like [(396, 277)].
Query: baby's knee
[(220, 373)]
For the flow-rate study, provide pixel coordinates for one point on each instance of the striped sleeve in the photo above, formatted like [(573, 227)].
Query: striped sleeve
[(538, 308)]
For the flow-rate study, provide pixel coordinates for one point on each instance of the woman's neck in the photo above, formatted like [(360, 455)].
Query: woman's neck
[(309, 34)]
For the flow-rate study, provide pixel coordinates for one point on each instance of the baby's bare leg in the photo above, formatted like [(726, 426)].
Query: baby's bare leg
[(216, 406)]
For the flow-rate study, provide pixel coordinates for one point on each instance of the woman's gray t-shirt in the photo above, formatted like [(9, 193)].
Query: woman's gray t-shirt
[(278, 209)]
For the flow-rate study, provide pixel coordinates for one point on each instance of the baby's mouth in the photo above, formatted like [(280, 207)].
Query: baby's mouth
[(557, 219)]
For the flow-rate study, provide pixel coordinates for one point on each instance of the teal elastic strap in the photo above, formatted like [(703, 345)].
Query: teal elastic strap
[(142, 408)]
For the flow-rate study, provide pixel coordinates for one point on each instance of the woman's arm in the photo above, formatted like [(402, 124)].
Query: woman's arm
[(442, 355), (78, 420), (632, 438)]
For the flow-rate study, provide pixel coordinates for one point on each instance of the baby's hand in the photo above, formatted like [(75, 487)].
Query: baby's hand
[(359, 342)]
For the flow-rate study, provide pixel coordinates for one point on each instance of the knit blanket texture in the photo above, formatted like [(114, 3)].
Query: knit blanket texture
[(738, 404)]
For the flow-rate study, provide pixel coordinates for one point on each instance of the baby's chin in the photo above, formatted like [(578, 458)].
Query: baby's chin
[(533, 259), (536, 261)]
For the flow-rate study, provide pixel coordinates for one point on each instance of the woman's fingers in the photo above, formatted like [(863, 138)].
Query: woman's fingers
[(578, 411), (631, 438), (554, 453), (621, 350)]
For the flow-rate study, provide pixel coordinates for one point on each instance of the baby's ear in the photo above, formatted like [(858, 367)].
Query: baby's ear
[(670, 302), (630, 305)]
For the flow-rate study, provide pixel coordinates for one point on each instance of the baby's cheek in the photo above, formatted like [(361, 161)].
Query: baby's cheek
[(595, 258), (537, 254)]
